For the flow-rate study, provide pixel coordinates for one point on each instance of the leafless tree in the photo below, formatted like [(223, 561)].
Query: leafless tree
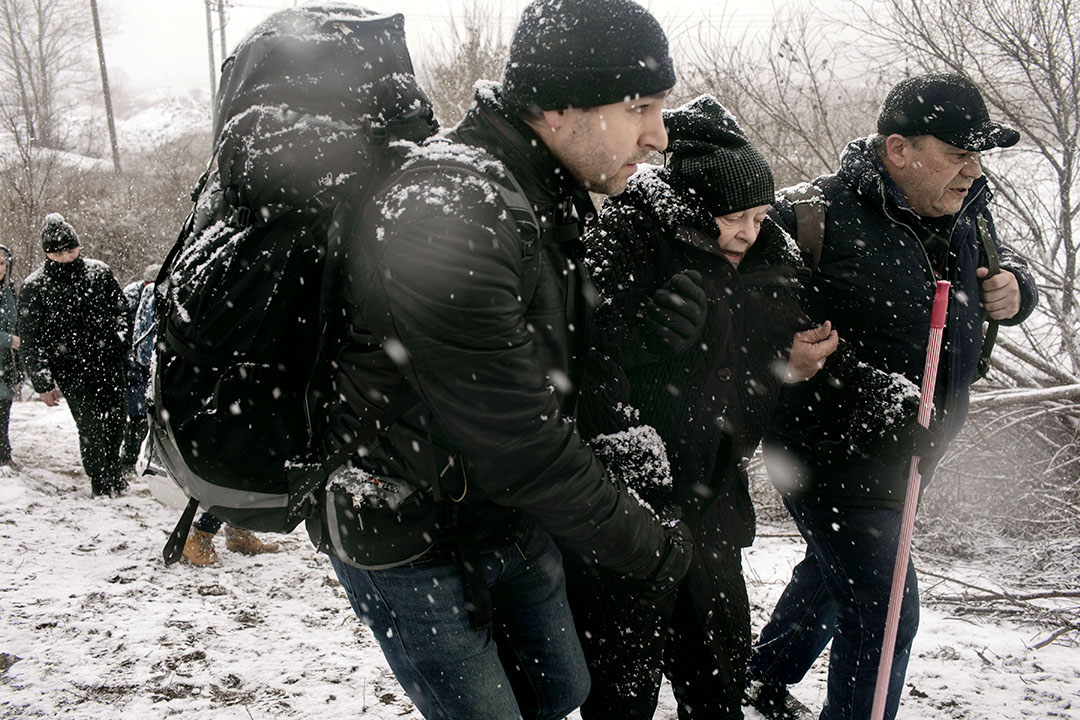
[(43, 50), (473, 48), (43, 74), (1023, 55), (794, 90)]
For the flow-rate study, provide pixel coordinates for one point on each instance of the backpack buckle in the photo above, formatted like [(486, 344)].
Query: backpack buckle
[(241, 217)]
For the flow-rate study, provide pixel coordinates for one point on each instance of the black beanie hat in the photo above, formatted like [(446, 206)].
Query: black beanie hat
[(710, 155), (584, 53), (944, 105), (57, 235)]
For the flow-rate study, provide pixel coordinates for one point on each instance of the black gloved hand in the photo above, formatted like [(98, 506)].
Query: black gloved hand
[(675, 562), (676, 312), (908, 439)]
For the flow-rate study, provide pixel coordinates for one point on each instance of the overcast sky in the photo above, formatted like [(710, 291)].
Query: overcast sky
[(162, 43)]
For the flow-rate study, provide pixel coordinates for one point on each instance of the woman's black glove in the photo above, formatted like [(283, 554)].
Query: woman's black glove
[(676, 313)]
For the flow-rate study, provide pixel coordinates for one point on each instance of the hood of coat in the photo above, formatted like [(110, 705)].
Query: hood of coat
[(650, 189)]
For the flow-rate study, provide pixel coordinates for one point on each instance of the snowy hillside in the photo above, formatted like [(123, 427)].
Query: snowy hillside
[(152, 120), (93, 625), (167, 119)]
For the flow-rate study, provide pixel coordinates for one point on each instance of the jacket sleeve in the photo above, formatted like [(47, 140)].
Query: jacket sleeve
[(119, 309), (447, 297), (32, 342), (1010, 260), (624, 277)]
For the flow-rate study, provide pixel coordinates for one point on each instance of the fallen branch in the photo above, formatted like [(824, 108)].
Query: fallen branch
[(1013, 397), (1055, 635), (1000, 595)]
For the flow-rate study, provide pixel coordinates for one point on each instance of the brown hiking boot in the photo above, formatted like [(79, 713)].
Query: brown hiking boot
[(199, 549), (246, 542)]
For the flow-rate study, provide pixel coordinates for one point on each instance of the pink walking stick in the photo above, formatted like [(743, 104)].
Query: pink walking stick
[(911, 502)]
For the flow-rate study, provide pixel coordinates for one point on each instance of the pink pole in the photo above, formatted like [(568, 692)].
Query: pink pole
[(911, 502)]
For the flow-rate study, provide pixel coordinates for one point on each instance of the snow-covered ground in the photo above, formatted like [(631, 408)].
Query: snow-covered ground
[(95, 626)]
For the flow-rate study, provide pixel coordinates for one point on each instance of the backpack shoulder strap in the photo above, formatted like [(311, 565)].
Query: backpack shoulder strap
[(511, 192), (994, 266), (808, 202)]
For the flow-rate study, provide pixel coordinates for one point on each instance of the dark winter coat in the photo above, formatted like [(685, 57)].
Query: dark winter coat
[(72, 322), (491, 345), (712, 402), (875, 282), (10, 367)]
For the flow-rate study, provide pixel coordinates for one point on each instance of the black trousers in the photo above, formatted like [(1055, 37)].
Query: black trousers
[(5, 422), (97, 398), (699, 638)]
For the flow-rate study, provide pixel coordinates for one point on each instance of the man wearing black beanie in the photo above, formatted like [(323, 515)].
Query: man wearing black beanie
[(73, 327), (467, 269)]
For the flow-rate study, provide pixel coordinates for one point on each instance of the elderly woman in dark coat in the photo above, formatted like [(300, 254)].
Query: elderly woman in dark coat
[(699, 309)]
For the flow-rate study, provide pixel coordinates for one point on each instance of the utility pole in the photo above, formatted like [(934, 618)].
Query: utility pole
[(221, 28), (213, 67), (105, 86)]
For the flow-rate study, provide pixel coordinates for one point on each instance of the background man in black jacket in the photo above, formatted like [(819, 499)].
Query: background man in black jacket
[(72, 323), (449, 296), (903, 211)]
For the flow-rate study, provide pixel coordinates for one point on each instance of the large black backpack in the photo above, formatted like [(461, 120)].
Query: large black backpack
[(307, 107)]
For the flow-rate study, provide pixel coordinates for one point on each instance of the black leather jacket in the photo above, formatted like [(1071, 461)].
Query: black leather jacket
[(489, 331)]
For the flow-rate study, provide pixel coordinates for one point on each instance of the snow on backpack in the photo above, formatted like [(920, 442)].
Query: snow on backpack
[(308, 104)]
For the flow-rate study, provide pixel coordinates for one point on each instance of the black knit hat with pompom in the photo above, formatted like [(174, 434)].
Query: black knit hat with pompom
[(58, 235)]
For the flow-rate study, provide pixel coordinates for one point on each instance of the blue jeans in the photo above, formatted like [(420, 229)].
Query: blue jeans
[(840, 591), (527, 665)]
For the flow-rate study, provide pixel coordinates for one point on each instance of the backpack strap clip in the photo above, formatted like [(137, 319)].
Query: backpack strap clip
[(808, 203), (994, 266)]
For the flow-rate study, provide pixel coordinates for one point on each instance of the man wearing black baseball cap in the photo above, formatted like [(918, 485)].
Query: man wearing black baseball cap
[(908, 206)]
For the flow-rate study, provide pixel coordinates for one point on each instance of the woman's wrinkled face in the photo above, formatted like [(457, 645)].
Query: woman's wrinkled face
[(739, 231)]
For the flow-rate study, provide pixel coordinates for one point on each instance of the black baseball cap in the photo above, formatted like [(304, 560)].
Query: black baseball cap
[(947, 106)]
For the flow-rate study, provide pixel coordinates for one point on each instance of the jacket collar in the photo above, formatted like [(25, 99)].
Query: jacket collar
[(548, 185), (862, 169), (651, 190)]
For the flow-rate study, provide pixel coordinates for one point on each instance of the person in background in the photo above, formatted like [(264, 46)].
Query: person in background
[(11, 374), (74, 333), (138, 373), (199, 547), (908, 206)]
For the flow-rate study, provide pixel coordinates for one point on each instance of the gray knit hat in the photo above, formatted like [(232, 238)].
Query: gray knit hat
[(584, 53), (58, 235), (710, 156)]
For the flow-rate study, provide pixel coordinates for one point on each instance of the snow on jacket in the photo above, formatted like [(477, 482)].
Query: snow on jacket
[(72, 319), (712, 402), (875, 282), (444, 280)]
